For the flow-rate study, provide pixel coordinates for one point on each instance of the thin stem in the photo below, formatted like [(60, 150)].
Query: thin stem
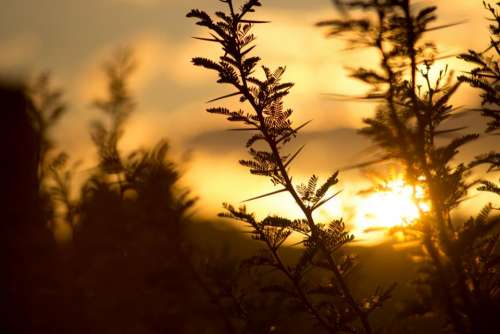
[(450, 307), (298, 288), (291, 189), (302, 296), (437, 205)]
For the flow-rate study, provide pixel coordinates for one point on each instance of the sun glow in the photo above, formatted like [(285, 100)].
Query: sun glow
[(396, 204)]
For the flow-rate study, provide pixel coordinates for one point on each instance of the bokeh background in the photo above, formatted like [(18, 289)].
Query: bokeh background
[(71, 38)]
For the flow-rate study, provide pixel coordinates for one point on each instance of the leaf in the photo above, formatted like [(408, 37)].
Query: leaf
[(325, 200), (250, 63), (199, 14), (445, 154), (332, 180), (254, 21), (224, 97), (254, 139), (445, 26), (425, 12), (446, 131), (218, 110), (265, 195), (245, 52), (294, 156), (207, 63), (292, 132), (248, 6), (209, 39)]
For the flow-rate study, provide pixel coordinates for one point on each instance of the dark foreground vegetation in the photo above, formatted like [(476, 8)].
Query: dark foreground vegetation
[(135, 261)]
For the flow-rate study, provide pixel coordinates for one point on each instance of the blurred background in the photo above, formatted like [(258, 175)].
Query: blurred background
[(72, 38)]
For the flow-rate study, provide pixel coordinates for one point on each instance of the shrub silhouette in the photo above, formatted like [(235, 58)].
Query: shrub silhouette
[(129, 266), (459, 279), (131, 263)]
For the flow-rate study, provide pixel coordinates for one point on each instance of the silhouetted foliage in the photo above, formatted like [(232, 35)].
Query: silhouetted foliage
[(486, 73), (408, 122), (131, 259), (48, 108), (29, 254), (486, 77), (331, 306), (129, 266)]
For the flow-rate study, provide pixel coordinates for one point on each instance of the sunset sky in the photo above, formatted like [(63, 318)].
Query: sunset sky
[(71, 38)]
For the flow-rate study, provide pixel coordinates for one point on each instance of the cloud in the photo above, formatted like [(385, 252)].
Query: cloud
[(339, 154), (314, 63)]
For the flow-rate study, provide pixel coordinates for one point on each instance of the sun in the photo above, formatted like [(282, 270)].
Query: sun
[(396, 204)]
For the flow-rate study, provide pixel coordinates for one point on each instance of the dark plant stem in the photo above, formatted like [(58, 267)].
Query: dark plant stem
[(300, 292), (450, 307), (291, 190), (437, 206), (288, 184)]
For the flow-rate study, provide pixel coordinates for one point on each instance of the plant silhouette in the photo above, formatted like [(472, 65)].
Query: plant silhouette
[(28, 248), (270, 124), (486, 77), (129, 264), (457, 280)]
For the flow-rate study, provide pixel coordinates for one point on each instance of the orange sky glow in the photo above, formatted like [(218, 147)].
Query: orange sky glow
[(171, 93)]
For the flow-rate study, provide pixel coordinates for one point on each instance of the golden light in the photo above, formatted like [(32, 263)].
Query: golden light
[(396, 204)]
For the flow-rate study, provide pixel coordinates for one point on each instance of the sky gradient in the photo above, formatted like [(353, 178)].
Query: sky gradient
[(71, 38)]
